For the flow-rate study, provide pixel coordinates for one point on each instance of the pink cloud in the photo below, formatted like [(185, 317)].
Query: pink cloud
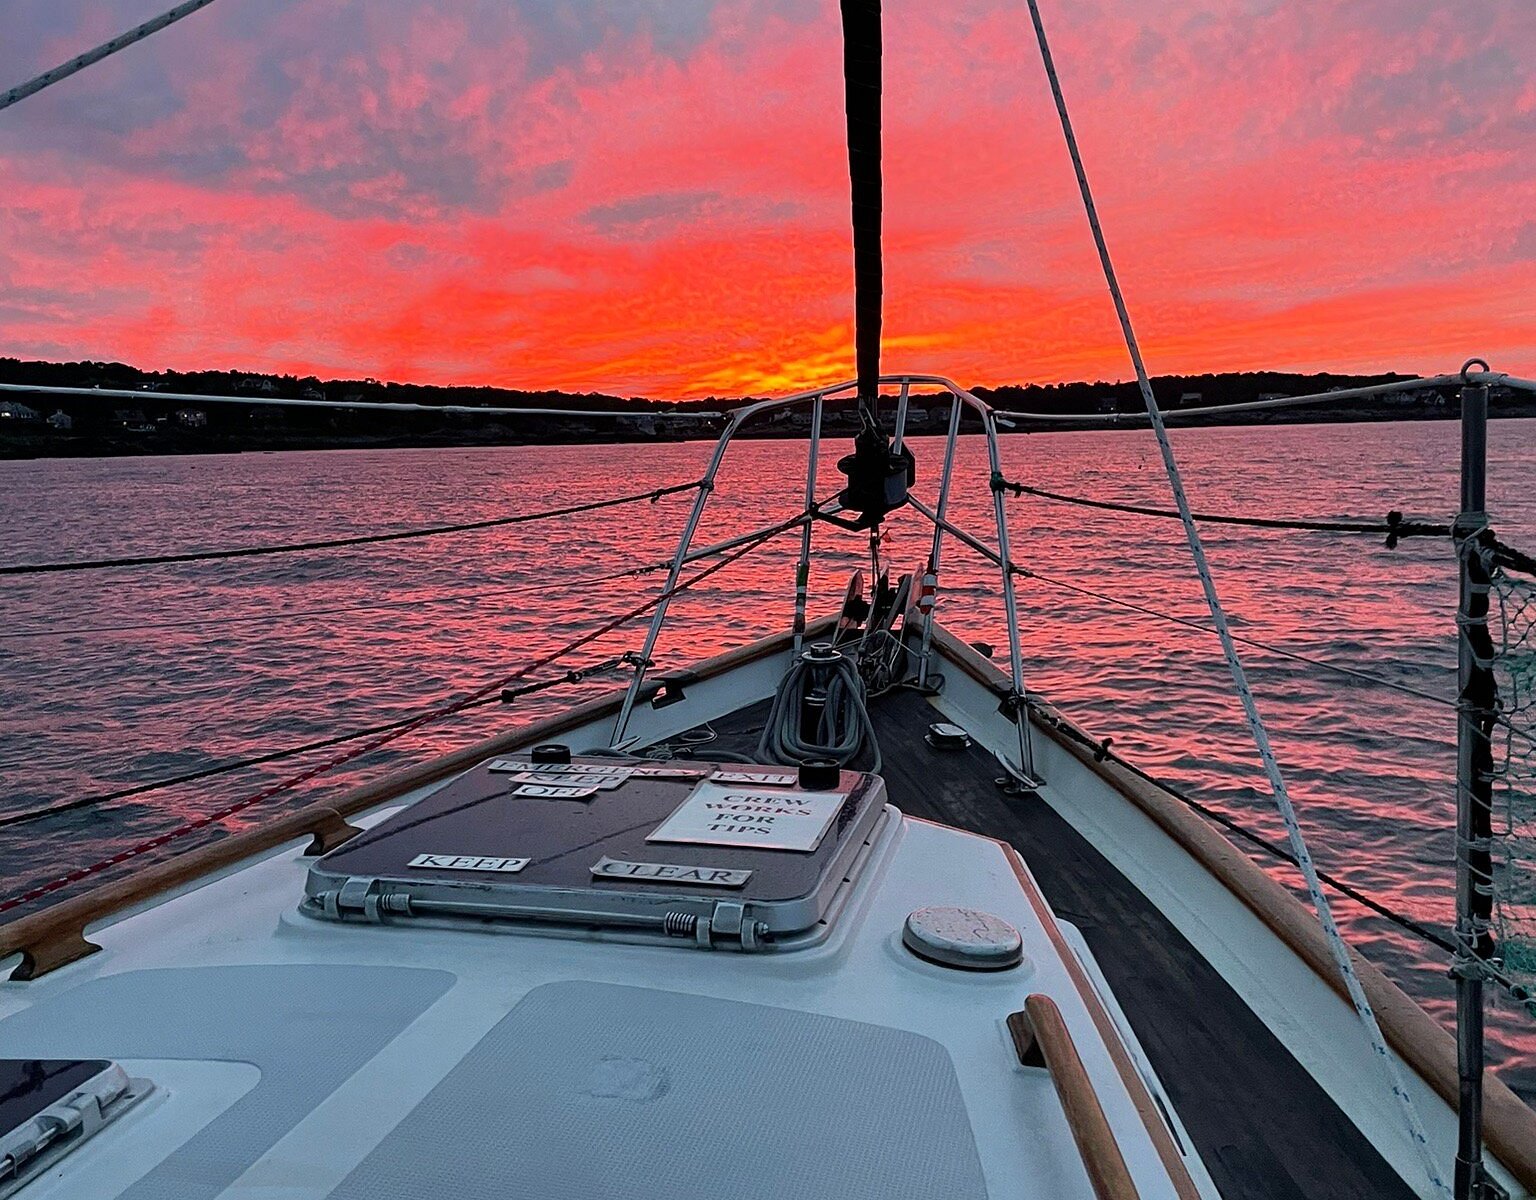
[(497, 195)]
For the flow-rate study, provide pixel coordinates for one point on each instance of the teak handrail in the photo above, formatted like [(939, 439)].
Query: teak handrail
[(1429, 1050), (1041, 1038)]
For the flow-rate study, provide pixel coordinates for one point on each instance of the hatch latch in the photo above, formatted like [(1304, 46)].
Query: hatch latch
[(727, 928)]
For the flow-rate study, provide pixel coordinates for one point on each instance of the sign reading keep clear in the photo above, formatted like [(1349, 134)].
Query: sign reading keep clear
[(733, 814)]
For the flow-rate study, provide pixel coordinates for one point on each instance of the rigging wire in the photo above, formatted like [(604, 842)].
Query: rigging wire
[(296, 613), (1442, 941), (1339, 951), (123, 40), (384, 738), (1393, 527), (222, 768), (96, 392), (399, 535), (1101, 750), (28, 816)]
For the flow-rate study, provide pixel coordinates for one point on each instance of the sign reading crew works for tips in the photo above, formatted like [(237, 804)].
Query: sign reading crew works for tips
[(728, 814)]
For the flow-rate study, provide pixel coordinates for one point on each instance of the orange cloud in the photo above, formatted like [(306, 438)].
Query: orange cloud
[(655, 202)]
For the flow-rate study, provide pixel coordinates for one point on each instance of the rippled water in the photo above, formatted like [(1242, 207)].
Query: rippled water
[(113, 677)]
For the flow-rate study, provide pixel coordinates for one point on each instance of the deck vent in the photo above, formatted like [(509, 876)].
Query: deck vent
[(963, 937), (942, 735), (50, 1106)]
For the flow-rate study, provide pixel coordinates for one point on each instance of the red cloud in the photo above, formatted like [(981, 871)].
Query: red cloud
[(432, 202)]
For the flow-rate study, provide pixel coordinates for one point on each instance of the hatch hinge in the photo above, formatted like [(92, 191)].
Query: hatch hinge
[(360, 897), (31, 1146)]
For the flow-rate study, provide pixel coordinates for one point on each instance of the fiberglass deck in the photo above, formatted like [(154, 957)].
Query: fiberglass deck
[(1263, 1126)]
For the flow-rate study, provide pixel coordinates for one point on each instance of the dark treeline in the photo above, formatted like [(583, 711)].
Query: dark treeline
[(154, 421)]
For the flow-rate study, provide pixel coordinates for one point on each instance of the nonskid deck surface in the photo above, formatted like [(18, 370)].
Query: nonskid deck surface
[(1263, 1126)]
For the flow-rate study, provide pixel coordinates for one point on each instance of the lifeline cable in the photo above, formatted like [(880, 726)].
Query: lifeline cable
[(27, 816), (1393, 527), (330, 764), (1014, 568), (1298, 843), (307, 614), (401, 535), (1101, 749)]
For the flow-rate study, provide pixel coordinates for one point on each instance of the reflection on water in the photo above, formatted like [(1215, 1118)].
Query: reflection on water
[(155, 672)]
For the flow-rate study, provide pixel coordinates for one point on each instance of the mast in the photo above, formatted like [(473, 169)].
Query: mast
[(861, 95)]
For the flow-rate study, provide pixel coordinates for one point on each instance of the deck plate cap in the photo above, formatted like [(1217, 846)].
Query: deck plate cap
[(963, 937)]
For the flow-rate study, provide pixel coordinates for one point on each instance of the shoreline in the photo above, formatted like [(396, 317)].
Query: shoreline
[(35, 444)]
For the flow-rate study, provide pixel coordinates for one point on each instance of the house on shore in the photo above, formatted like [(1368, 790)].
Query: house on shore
[(14, 411)]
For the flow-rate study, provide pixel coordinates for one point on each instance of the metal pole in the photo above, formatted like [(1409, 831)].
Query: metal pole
[(706, 486), (803, 568), (1027, 776), (955, 409), (901, 416), (1474, 774)]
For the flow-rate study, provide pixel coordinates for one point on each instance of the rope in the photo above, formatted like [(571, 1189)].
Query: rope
[(1298, 843), (28, 816), (137, 34), (1511, 559), (431, 715), (401, 535), (1394, 527), (843, 727)]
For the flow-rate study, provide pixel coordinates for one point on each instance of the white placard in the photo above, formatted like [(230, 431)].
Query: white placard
[(523, 766), (604, 782), (668, 772), (549, 791), (720, 814), (645, 872), (755, 780), (467, 862)]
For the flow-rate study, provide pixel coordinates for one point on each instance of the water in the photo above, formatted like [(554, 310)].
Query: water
[(113, 677)]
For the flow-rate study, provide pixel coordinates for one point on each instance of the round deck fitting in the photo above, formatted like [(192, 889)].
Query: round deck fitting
[(963, 937)]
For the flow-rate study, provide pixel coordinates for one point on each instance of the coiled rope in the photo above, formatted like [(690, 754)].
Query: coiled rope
[(399, 730), (1298, 844), (398, 535), (843, 729)]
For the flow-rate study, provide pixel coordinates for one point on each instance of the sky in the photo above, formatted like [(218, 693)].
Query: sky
[(649, 197)]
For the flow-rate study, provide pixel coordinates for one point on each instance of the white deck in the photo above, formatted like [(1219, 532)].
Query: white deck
[(463, 983)]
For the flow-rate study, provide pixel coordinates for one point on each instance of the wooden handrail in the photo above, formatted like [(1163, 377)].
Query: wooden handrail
[(1042, 1038), (1429, 1050), (55, 936)]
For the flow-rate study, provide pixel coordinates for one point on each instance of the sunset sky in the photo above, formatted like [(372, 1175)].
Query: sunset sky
[(650, 196)]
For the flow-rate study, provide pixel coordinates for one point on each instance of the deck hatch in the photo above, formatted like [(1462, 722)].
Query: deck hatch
[(635, 852), (48, 1107)]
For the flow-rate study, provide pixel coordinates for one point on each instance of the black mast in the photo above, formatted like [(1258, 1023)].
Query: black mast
[(861, 81)]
